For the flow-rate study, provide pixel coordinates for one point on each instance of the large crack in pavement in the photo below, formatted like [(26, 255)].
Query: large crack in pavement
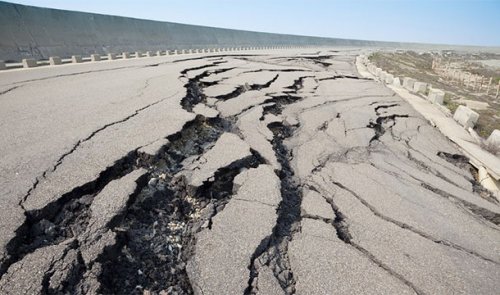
[(272, 251), (382, 124), (244, 88)]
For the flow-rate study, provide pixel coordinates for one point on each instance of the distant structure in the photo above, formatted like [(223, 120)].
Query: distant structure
[(33, 32)]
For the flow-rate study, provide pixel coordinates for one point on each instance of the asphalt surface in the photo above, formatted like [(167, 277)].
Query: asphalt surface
[(259, 172)]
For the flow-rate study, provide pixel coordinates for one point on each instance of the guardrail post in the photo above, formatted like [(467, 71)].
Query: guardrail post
[(29, 63), (76, 59), (55, 60)]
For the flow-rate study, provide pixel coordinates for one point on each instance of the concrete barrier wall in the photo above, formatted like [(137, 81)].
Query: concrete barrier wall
[(33, 32)]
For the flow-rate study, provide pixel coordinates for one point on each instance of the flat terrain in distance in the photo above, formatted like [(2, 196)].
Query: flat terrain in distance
[(259, 172)]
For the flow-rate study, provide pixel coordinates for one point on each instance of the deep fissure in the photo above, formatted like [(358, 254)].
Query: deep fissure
[(273, 249)]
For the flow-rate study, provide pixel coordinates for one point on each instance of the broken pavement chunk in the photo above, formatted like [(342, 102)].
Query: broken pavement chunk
[(108, 204), (228, 148), (29, 275), (235, 235)]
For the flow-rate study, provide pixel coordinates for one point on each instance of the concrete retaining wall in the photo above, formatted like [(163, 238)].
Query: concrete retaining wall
[(33, 32)]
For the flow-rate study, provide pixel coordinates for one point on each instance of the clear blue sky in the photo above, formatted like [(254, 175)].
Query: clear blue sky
[(467, 22)]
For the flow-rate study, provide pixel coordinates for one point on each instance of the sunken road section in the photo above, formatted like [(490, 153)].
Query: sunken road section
[(275, 173)]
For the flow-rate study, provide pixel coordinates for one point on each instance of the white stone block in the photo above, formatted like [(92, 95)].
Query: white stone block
[(111, 56), (494, 138), (466, 117), (150, 53), (408, 83), (419, 87), (389, 78), (160, 53), (2, 65), (76, 59), (95, 57), (138, 54), (55, 60), (29, 63), (436, 96), (125, 55), (377, 71), (396, 82)]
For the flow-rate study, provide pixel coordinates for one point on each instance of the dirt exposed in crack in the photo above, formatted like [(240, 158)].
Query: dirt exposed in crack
[(194, 86), (247, 87), (297, 85), (265, 85), (157, 235), (382, 124)]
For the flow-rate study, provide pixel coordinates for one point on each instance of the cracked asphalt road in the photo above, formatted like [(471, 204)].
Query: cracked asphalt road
[(281, 172)]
